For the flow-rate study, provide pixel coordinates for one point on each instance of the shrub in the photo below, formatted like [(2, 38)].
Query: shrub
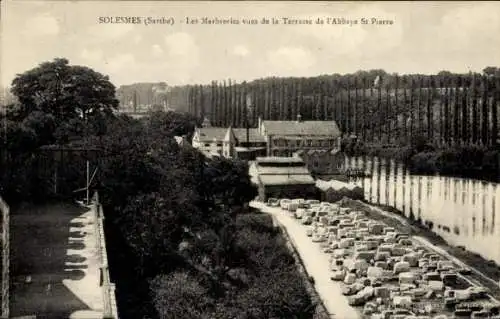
[(447, 161), (412, 215), (180, 295), (260, 223), (490, 161), (423, 163)]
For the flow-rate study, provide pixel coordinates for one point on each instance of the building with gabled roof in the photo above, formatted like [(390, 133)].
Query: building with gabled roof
[(270, 138), (253, 135), (284, 138), (282, 177), (209, 140), (242, 143)]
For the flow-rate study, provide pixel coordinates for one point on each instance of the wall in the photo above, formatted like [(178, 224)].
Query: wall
[(4, 208), (110, 310), (288, 191), (292, 143)]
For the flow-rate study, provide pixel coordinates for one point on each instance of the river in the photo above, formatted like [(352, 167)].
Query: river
[(462, 211)]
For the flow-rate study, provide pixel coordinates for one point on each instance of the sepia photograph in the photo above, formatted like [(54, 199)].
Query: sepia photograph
[(249, 159)]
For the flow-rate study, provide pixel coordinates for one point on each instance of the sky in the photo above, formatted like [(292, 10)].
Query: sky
[(425, 37)]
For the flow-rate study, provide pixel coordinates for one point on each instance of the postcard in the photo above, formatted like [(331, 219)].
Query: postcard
[(250, 159)]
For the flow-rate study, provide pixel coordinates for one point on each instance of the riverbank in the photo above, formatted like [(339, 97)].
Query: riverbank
[(474, 161), (487, 272)]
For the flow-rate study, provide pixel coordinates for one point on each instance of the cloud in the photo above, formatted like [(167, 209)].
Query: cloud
[(156, 50), (181, 43), (43, 25), (120, 61), (92, 55), (291, 60), (183, 55), (470, 27), (137, 39), (349, 39), (240, 50), (109, 31)]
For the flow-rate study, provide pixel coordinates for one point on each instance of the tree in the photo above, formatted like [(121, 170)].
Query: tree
[(64, 90), (172, 123), (491, 71)]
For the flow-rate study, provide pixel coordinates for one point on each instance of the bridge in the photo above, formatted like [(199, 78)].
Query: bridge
[(57, 264)]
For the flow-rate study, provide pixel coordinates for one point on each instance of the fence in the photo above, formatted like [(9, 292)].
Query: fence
[(4, 208), (110, 310)]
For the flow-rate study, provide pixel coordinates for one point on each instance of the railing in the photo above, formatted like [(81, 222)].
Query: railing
[(110, 310), (4, 208)]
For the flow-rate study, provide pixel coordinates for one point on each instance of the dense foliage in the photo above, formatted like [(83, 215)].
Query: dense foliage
[(183, 219), (64, 90), (183, 242)]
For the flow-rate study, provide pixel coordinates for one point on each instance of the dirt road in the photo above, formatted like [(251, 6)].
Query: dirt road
[(316, 264)]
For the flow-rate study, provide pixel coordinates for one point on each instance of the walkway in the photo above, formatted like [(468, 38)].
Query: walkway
[(55, 263), (316, 264)]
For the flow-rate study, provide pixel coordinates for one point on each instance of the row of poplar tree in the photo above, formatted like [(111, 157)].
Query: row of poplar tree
[(377, 107)]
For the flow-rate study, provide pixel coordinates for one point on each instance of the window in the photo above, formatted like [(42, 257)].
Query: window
[(315, 163), (207, 144)]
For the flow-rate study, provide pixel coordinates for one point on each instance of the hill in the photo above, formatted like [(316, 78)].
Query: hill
[(142, 95)]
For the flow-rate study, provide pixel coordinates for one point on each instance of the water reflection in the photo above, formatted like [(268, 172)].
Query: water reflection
[(462, 211)]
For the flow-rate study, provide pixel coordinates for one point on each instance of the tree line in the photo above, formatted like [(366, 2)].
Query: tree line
[(446, 108)]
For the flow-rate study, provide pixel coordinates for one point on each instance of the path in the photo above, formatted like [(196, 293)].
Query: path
[(316, 264), (55, 263)]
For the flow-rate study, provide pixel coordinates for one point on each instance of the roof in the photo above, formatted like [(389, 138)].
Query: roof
[(179, 139), (301, 128), (279, 160), (270, 170), (248, 149), (208, 134), (286, 179), (253, 135), (332, 151)]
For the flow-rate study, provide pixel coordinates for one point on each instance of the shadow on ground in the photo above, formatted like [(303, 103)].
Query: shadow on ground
[(41, 238)]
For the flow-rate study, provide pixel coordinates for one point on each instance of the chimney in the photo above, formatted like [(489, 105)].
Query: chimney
[(299, 118)]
